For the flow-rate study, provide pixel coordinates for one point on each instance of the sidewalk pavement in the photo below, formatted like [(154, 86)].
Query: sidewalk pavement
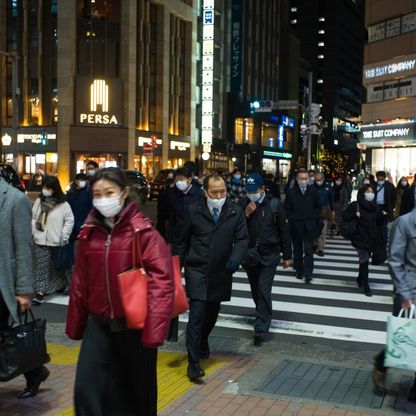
[(277, 379)]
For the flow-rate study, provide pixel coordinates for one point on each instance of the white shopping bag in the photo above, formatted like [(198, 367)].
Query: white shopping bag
[(401, 340)]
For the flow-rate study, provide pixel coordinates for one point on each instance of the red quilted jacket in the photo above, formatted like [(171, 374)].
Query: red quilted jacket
[(102, 256)]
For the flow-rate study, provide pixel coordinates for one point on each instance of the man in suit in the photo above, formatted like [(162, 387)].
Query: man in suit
[(213, 242), (303, 210), (16, 287)]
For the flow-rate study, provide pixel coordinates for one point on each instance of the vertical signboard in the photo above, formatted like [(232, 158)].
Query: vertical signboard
[(236, 64)]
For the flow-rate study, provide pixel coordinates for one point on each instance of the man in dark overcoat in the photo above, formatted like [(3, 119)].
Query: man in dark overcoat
[(303, 211), (213, 242)]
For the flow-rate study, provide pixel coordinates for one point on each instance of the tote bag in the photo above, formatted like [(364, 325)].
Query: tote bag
[(22, 347), (401, 340)]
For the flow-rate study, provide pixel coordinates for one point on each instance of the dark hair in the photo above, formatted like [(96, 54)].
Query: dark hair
[(52, 182), (309, 171), (117, 176), (364, 189), (81, 177), (381, 173), (190, 168), (183, 172), (214, 177), (236, 170), (301, 170), (92, 163)]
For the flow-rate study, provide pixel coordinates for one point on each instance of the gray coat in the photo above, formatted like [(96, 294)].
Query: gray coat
[(15, 246), (402, 259)]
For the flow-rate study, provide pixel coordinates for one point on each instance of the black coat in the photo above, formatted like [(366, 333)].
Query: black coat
[(181, 202), (367, 234), (408, 200), (269, 231), (390, 198), (304, 213), (205, 248), (80, 201)]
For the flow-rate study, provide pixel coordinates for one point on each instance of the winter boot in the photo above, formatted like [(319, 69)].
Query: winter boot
[(364, 279)]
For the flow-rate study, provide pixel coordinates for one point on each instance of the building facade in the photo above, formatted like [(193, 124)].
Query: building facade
[(111, 81), (332, 35), (388, 134)]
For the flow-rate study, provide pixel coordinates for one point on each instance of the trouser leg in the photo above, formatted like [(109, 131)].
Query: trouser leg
[(264, 299), (197, 311), (298, 255), (94, 374), (173, 330), (308, 258), (138, 369), (322, 237), (211, 316), (253, 274)]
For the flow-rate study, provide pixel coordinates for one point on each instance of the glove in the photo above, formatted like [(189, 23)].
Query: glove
[(231, 266)]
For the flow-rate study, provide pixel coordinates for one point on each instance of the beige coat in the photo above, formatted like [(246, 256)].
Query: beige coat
[(58, 227)]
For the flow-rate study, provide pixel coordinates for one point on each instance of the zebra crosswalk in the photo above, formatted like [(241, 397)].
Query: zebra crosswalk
[(331, 307)]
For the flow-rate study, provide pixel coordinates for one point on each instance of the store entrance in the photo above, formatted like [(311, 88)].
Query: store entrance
[(104, 160)]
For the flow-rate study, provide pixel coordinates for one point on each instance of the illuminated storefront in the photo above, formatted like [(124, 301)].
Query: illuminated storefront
[(390, 147)]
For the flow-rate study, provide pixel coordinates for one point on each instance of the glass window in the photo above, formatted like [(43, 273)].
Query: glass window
[(239, 130)]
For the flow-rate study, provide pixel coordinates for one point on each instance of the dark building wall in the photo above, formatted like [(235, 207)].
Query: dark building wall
[(332, 36)]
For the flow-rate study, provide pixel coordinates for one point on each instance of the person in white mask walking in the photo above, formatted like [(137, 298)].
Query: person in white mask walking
[(213, 242), (269, 236), (52, 224)]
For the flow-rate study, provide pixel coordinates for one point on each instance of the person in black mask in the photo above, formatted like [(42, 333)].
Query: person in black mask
[(268, 237)]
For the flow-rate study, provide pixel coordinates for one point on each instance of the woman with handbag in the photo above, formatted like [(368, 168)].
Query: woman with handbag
[(52, 224), (366, 239), (116, 372)]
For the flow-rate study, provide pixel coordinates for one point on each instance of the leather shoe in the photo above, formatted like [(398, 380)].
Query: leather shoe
[(299, 275), (195, 372), (258, 339), (205, 352), (308, 279), (32, 388), (379, 380)]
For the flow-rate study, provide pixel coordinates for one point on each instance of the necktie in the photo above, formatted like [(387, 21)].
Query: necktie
[(215, 214)]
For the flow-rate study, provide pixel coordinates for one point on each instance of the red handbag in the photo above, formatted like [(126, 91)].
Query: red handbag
[(180, 302), (133, 290)]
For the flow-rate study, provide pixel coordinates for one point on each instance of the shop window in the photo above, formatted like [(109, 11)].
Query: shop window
[(34, 111), (239, 131), (249, 131)]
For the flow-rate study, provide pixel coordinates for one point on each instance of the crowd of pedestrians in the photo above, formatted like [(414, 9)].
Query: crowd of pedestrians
[(215, 224)]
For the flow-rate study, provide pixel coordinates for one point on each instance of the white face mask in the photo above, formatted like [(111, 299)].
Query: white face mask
[(369, 197), (380, 183), (91, 172), (82, 184), (108, 207), (319, 183), (339, 183), (254, 197), (404, 183), (311, 179), (46, 193), (215, 203), (181, 185), (303, 184), (237, 177), (366, 182)]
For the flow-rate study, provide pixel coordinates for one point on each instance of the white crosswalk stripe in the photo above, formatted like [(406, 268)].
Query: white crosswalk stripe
[(332, 307)]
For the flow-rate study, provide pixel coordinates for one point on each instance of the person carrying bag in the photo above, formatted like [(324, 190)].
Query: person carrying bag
[(116, 371), (400, 351)]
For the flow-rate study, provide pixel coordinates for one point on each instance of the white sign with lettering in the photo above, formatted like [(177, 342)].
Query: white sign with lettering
[(391, 69)]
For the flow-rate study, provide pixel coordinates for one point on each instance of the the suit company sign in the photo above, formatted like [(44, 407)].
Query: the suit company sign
[(98, 102)]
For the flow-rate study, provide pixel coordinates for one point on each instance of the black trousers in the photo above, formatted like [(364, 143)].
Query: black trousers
[(261, 283), (115, 375), (303, 256), (4, 321), (202, 318)]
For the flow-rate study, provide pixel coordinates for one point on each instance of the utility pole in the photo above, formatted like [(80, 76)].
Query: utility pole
[(16, 92), (309, 128)]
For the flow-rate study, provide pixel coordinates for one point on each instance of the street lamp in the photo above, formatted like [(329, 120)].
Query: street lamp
[(16, 92)]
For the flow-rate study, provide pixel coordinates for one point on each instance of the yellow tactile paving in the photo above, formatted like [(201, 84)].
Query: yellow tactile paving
[(171, 372)]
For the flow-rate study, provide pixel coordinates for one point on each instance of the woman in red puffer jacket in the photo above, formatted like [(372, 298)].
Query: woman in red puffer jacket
[(116, 371)]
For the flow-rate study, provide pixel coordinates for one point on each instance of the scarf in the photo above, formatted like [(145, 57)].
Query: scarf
[(47, 204)]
